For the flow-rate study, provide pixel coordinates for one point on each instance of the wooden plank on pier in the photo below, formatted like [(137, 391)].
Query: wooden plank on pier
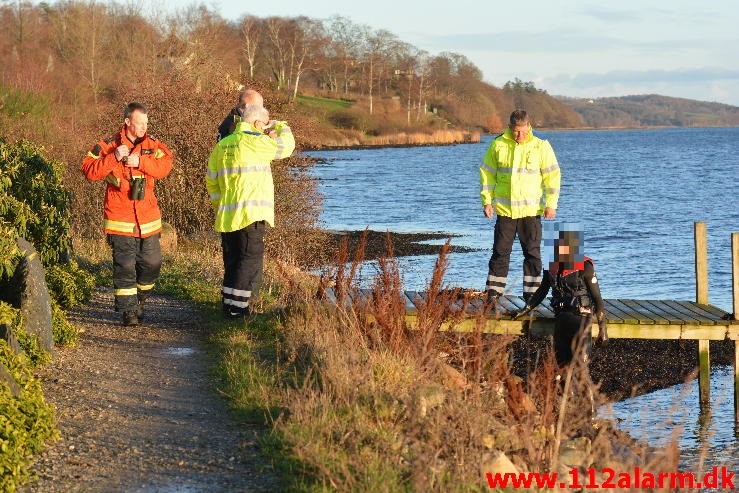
[(656, 313), (545, 308), (642, 331), (716, 312), (644, 310), (658, 307), (614, 315), (641, 318), (688, 315), (700, 311), (618, 310), (416, 298), (410, 307), (668, 319)]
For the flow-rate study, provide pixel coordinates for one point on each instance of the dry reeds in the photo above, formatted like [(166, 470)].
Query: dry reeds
[(407, 404), (435, 137)]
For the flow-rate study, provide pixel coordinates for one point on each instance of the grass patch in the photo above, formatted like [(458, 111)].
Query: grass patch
[(322, 104)]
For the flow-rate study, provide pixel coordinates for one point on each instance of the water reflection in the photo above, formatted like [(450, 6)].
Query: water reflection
[(661, 417)]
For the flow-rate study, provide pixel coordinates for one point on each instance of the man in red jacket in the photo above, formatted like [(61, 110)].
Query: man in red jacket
[(129, 162)]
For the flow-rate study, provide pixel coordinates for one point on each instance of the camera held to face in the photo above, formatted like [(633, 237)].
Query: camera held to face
[(138, 186)]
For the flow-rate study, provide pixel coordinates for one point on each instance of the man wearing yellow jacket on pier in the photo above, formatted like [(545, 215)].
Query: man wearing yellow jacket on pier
[(239, 182), (519, 182)]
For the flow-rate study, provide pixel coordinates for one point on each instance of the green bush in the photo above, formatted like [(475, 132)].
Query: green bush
[(22, 104), (26, 420), (33, 200), (34, 355), (34, 204), (65, 333), (9, 254), (69, 284)]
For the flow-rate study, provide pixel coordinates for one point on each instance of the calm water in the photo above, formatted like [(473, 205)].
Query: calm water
[(636, 194)]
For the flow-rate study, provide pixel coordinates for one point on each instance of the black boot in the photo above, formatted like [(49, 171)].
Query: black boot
[(130, 319), (140, 306), (492, 298)]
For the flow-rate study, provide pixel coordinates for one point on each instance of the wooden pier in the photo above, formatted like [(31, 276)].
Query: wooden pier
[(626, 318)]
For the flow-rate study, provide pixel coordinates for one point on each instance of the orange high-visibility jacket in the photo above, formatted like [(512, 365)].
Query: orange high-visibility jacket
[(123, 216)]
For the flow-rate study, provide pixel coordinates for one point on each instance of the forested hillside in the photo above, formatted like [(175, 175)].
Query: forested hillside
[(349, 83), (74, 57), (651, 110)]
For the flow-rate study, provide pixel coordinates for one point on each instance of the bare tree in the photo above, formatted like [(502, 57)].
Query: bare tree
[(76, 46), (375, 51), (277, 52), (23, 16), (307, 42), (251, 31), (346, 45)]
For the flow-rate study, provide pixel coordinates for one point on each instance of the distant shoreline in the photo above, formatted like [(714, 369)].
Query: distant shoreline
[(360, 147), (654, 127)]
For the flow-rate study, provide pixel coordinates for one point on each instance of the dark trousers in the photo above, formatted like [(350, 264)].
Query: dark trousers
[(572, 345), (136, 266), (572, 334), (243, 261), (528, 230)]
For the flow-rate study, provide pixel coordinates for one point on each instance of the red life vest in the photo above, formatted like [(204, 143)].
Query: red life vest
[(554, 267)]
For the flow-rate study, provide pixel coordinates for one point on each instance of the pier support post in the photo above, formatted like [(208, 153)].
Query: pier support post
[(701, 296), (735, 293)]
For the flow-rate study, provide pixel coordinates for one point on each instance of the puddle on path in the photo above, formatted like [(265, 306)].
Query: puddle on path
[(179, 351)]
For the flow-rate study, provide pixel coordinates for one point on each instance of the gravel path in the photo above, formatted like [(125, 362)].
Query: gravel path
[(138, 412)]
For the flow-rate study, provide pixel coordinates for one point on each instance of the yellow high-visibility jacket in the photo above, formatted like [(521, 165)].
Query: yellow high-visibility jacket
[(239, 177), (520, 180)]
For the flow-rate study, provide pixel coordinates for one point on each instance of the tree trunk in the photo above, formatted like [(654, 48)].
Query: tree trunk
[(295, 89)]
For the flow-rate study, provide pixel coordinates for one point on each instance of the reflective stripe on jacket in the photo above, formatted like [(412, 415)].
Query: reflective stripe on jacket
[(123, 216), (520, 180), (239, 177)]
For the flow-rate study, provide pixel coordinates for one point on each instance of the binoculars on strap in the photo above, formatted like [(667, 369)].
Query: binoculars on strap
[(138, 186)]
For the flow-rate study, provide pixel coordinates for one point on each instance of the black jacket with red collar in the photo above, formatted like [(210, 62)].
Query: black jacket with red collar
[(574, 288)]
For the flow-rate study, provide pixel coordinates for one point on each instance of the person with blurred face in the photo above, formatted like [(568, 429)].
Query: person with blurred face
[(519, 182), (576, 302), (246, 97), (130, 162), (576, 297)]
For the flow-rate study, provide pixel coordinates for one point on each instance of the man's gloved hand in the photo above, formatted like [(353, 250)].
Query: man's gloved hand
[(521, 313), (602, 337), (121, 151)]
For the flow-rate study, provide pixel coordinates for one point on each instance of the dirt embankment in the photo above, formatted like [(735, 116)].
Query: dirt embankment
[(138, 412)]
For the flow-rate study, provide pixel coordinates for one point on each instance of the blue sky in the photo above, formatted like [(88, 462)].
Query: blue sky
[(582, 48)]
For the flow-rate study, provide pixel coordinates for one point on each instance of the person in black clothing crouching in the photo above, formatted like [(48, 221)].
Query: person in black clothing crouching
[(576, 301), (576, 298)]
